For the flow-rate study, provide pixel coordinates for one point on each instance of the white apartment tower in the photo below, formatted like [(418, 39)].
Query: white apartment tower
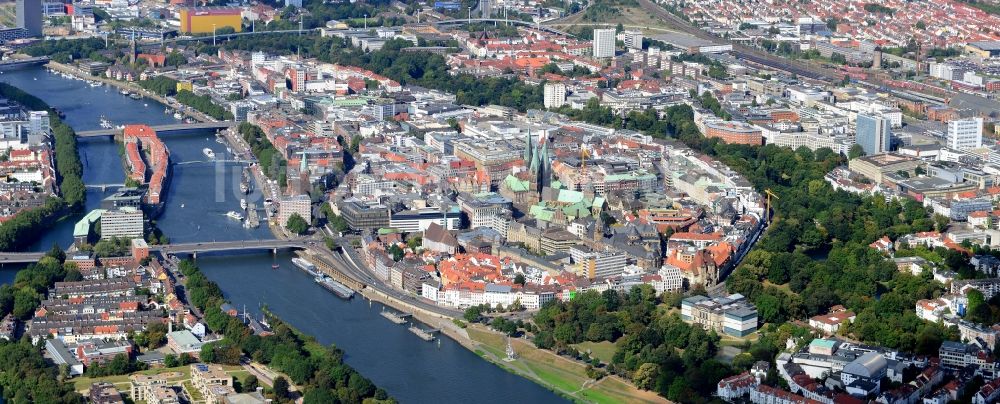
[(965, 134), (126, 222), (604, 43), (555, 95), (632, 39)]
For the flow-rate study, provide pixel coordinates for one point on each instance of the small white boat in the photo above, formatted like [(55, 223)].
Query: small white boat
[(243, 204), (234, 215), (178, 115), (105, 123), (182, 205), (124, 92), (208, 153)]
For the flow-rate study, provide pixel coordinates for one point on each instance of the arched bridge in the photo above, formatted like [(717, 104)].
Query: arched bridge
[(185, 248)]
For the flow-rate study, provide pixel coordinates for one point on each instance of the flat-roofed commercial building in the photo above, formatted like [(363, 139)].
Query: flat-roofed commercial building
[(126, 222), (419, 220), (361, 216), (731, 315), (207, 20), (734, 132), (876, 167)]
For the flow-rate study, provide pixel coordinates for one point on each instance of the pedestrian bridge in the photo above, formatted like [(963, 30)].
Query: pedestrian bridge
[(162, 129), (185, 248)]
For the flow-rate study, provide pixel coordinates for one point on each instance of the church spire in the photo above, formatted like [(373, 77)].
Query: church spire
[(543, 167), (527, 148)]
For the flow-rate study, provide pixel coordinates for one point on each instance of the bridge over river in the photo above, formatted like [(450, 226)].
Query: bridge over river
[(185, 248), (162, 129)]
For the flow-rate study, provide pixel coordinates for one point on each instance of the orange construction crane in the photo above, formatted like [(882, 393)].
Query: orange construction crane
[(767, 213)]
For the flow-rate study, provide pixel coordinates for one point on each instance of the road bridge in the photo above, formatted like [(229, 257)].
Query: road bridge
[(20, 257), (104, 187), (162, 129), (19, 63), (460, 21), (230, 246), (227, 161), (185, 248)]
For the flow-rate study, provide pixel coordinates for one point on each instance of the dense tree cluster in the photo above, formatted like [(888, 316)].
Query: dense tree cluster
[(319, 369), (119, 365), (66, 50), (297, 224), (175, 59), (878, 8), (27, 377), (656, 350), (113, 247), (162, 85), (203, 103), (272, 164), (23, 229)]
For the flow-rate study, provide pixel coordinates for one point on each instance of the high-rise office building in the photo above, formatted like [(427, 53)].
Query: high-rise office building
[(29, 16), (555, 95), (38, 122), (604, 43), (872, 134), (125, 222), (964, 134)]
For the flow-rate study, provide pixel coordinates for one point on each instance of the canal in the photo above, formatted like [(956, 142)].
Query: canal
[(201, 192)]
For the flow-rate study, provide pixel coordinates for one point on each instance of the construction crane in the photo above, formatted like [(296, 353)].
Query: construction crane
[(767, 213)]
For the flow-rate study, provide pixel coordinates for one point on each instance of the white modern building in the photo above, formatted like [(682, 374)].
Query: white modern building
[(418, 220), (965, 134), (731, 315), (604, 43), (126, 222), (632, 39), (555, 95)]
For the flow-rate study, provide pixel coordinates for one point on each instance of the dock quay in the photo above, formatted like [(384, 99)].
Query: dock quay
[(399, 318), (253, 218), (333, 273), (426, 335)]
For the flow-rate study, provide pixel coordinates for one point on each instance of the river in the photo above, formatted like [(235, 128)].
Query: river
[(201, 192)]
